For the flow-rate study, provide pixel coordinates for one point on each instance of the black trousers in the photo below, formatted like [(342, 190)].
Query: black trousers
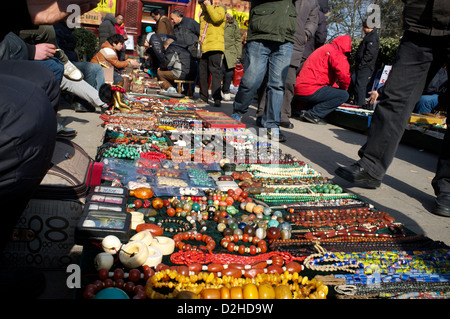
[(227, 77), (210, 63), (418, 59), (361, 80), (27, 135)]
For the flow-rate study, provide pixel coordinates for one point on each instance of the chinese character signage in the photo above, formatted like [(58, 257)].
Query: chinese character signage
[(95, 16)]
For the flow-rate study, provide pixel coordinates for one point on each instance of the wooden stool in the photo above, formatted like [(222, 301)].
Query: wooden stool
[(180, 86)]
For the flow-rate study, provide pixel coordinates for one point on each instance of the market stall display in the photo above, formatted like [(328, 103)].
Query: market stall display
[(215, 212)]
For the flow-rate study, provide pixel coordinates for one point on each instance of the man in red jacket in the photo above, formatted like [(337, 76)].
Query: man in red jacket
[(324, 79)]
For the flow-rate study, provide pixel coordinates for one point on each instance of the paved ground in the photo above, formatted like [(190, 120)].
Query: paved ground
[(405, 193)]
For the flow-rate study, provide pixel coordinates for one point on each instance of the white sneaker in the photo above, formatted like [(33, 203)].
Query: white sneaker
[(72, 72), (61, 130), (227, 97)]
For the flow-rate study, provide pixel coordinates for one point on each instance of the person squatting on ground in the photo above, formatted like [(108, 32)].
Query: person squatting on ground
[(324, 79)]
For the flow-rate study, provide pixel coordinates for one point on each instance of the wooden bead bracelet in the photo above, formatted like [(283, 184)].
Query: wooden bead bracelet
[(208, 240), (185, 226), (227, 243)]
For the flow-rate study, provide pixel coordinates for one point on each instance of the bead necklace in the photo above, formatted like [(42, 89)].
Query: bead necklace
[(270, 181), (312, 262), (297, 286), (358, 244), (308, 188), (397, 290), (208, 240), (228, 242), (190, 257), (355, 232), (116, 279), (288, 197), (273, 265), (153, 156), (259, 170), (336, 217), (324, 203), (185, 226), (436, 261)]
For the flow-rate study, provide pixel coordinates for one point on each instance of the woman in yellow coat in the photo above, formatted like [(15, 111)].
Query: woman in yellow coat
[(213, 46)]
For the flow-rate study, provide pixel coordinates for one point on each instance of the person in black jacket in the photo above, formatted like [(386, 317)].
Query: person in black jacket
[(177, 64), (365, 59), (424, 48), (156, 50), (186, 29)]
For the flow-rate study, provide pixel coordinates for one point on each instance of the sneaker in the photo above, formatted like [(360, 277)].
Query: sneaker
[(65, 131), (276, 135), (237, 117), (72, 72), (355, 173), (227, 97), (307, 117)]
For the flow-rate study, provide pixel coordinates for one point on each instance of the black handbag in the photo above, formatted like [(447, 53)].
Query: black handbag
[(197, 48)]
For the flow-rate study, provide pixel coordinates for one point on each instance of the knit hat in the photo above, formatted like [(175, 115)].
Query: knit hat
[(148, 29)]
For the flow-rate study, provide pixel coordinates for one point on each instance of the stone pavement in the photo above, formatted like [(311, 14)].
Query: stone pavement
[(406, 192)]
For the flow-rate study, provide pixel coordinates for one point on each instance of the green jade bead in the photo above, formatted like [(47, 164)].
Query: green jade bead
[(232, 210)]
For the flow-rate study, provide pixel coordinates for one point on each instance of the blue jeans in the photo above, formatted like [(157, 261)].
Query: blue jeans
[(324, 101), (426, 103), (55, 66), (262, 56), (93, 73)]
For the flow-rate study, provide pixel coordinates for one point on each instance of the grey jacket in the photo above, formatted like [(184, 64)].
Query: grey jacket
[(307, 21), (106, 28)]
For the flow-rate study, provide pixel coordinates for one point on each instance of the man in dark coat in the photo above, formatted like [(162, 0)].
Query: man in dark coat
[(365, 59), (186, 29)]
